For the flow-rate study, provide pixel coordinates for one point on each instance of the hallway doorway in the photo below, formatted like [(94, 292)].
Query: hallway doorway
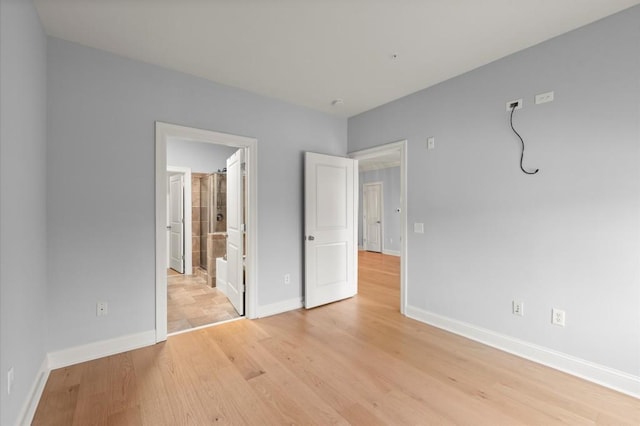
[(385, 165)]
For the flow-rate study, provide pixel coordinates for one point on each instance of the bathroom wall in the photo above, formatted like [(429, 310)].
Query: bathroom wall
[(200, 157)]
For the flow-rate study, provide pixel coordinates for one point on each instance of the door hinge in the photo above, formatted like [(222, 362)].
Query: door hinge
[(243, 167), (243, 228)]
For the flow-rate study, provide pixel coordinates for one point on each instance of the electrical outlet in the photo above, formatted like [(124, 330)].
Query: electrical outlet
[(287, 278), (558, 317), (10, 379), (101, 309), (543, 98), (516, 102), (518, 308)]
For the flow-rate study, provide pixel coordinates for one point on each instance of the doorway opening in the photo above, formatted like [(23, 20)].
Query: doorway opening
[(202, 276), (197, 290), (382, 170)]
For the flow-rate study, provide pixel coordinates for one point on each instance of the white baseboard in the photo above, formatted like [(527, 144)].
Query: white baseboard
[(100, 349), (391, 252), (600, 374), (280, 307), (30, 405), (361, 248)]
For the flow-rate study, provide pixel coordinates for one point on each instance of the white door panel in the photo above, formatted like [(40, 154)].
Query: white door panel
[(372, 216), (176, 222), (235, 232), (330, 229)]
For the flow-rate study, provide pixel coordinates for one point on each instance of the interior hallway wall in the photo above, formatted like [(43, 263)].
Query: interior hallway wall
[(23, 242), (568, 237)]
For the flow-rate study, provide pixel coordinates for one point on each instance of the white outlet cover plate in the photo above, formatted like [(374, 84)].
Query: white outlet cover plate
[(558, 317), (518, 308), (431, 142), (543, 98)]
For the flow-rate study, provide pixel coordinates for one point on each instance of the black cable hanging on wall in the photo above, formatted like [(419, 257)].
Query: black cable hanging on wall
[(513, 108)]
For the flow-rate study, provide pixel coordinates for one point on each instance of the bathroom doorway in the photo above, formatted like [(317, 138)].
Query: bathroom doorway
[(196, 297)]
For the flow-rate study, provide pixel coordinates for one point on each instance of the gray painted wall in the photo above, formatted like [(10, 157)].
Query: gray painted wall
[(567, 237), (199, 156), (102, 110), (23, 289), (390, 178)]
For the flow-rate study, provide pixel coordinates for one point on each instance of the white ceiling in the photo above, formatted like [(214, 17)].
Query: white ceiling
[(310, 52)]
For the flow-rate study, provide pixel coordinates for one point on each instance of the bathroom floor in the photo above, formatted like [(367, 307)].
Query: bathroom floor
[(192, 303)]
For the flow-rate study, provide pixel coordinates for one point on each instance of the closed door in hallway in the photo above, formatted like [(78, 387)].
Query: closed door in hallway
[(176, 222), (372, 216)]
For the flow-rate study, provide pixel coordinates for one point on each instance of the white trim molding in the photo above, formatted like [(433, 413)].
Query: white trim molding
[(587, 370), (34, 395), (391, 252), (100, 349), (279, 307)]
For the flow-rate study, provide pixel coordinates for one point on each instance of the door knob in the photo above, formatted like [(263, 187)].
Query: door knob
[(311, 238)]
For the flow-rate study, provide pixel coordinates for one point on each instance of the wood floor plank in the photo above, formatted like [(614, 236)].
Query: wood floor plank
[(355, 362)]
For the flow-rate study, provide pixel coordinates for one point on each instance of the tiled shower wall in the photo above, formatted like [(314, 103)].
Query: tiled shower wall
[(207, 246), (196, 217)]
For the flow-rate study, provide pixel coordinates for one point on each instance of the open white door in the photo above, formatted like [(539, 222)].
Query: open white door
[(235, 232), (331, 269), (372, 216), (176, 222)]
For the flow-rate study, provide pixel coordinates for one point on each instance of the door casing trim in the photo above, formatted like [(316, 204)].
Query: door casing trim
[(164, 132), (390, 148)]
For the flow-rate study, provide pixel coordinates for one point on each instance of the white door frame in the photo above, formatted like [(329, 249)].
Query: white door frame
[(364, 228), (164, 132), (188, 250), (390, 148)]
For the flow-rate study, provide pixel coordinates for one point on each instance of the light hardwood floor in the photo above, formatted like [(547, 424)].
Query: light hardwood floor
[(353, 362)]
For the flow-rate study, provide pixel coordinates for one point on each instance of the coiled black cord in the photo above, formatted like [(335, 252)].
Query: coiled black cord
[(513, 108)]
